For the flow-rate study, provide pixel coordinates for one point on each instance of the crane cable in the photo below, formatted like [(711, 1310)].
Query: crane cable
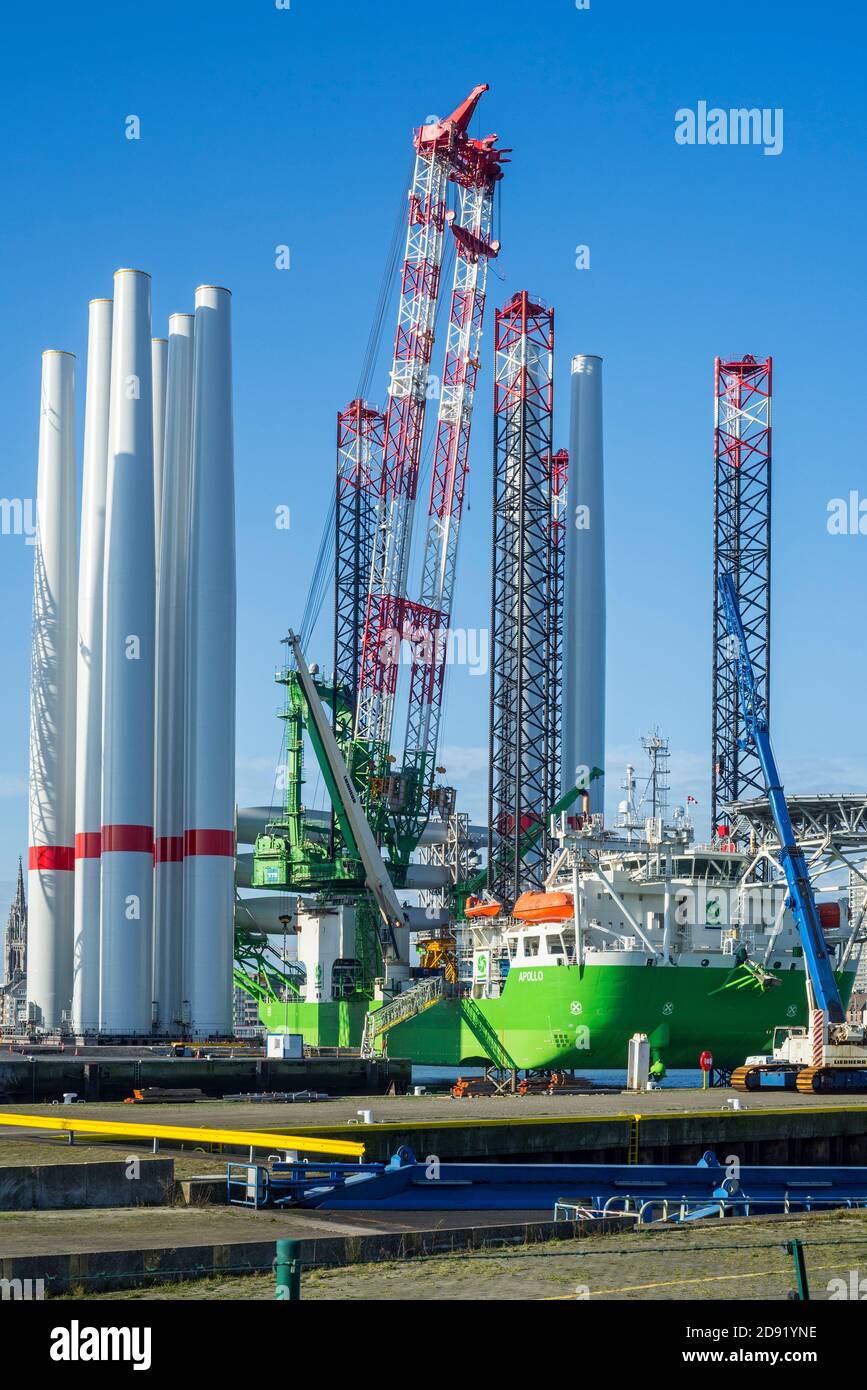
[(323, 565)]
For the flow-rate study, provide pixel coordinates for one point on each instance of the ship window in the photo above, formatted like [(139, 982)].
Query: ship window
[(531, 946), (555, 946)]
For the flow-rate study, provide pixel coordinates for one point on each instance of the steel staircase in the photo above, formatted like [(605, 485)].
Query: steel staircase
[(412, 1002)]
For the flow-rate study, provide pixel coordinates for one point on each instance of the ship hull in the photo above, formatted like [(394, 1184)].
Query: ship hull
[(553, 1017)]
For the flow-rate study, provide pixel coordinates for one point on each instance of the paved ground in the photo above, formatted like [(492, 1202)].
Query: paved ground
[(397, 1119), (425, 1110), (717, 1260)]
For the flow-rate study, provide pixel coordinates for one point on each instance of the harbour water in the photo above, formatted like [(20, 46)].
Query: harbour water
[(673, 1080)]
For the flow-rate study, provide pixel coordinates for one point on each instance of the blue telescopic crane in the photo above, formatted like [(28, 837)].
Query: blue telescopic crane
[(832, 1056), (802, 902)]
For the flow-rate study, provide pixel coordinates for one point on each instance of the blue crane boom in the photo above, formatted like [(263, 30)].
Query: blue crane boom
[(801, 899)]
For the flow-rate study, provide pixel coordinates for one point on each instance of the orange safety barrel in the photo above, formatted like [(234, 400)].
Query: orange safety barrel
[(829, 915), (543, 907), (479, 907)]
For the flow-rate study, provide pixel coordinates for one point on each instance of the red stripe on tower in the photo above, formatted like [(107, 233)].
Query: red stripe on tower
[(88, 844), (51, 857), (127, 839), (220, 842), (169, 849)]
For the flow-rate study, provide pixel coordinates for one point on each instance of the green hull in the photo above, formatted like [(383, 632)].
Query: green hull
[(557, 1016)]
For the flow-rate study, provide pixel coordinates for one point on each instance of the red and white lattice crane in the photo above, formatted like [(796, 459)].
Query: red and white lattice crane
[(477, 175), (444, 153)]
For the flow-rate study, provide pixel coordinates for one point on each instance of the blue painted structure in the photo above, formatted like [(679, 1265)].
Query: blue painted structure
[(667, 1190), (801, 899)]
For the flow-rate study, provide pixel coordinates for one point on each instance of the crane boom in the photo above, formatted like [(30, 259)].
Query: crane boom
[(378, 880), (802, 900), (471, 228), (444, 153)]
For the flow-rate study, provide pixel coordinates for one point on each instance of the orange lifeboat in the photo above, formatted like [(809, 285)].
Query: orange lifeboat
[(479, 907), (543, 907)]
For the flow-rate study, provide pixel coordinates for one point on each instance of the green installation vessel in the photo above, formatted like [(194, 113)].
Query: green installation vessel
[(667, 941), (640, 931)]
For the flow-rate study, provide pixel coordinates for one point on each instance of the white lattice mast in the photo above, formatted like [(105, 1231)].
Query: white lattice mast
[(477, 174), (437, 145)]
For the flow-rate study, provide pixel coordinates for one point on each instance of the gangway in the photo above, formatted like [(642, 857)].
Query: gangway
[(409, 1004)]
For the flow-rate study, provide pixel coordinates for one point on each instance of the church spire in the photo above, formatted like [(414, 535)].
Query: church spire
[(15, 943)]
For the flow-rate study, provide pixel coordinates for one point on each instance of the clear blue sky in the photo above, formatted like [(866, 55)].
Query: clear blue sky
[(261, 126)]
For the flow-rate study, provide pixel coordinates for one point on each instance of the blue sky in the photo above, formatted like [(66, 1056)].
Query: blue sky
[(262, 126)]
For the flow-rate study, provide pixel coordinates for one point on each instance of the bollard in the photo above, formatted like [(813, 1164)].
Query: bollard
[(287, 1271)]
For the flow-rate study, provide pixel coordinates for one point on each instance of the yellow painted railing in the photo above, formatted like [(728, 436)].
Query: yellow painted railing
[(237, 1138)]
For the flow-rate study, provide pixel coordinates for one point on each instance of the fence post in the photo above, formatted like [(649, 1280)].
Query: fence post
[(796, 1250), (287, 1271)]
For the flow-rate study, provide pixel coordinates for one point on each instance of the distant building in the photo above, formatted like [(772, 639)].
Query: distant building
[(857, 1004), (857, 893), (246, 1012), (13, 990)]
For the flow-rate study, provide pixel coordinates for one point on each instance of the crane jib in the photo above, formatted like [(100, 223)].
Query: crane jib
[(803, 903)]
